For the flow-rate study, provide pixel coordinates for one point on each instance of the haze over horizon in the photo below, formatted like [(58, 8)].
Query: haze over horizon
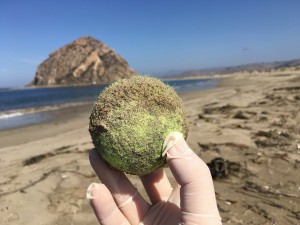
[(153, 37)]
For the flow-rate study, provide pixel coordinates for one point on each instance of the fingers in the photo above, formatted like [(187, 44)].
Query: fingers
[(157, 186), (197, 194), (127, 198), (104, 206), (175, 196)]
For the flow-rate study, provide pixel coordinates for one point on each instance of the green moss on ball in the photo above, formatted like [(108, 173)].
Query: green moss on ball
[(130, 121)]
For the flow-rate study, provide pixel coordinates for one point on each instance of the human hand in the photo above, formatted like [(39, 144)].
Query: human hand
[(116, 201)]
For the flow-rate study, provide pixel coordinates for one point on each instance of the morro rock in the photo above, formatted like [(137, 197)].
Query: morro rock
[(84, 61)]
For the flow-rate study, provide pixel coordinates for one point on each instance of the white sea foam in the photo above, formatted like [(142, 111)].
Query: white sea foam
[(13, 113), (9, 115)]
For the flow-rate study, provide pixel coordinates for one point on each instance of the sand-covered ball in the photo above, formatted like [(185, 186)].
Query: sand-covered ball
[(130, 121)]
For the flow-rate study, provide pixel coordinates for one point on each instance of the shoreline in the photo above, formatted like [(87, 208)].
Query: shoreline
[(61, 120), (104, 84), (80, 111), (14, 118), (58, 115)]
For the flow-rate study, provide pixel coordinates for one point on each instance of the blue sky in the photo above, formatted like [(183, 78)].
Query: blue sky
[(155, 37)]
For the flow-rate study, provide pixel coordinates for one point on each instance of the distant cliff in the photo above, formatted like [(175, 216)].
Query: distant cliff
[(84, 61), (278, 66)]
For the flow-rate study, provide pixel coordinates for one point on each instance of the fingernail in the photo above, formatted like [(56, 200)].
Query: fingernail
[(175, 145), (89, 192)]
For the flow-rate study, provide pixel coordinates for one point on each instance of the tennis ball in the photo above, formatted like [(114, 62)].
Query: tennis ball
[(130, 121)]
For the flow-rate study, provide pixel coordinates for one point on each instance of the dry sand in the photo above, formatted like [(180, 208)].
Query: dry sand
[(251, 124)]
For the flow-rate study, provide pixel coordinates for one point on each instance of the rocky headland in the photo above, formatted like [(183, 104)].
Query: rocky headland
[(84, 61)]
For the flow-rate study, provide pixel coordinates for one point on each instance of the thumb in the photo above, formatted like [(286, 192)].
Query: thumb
[(197, 195), (185, 165)]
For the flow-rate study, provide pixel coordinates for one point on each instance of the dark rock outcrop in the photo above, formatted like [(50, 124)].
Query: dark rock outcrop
[(82, 62)]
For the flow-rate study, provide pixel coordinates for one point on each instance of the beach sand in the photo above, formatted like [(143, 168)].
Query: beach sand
[(250, 122)]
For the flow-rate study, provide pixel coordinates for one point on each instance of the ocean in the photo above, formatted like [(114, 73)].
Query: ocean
[(19, 107)]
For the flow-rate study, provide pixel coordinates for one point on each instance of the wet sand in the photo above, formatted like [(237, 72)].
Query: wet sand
[(248, 129)]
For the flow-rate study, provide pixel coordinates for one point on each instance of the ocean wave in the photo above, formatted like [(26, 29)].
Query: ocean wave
[(20, 112), (10, 115)]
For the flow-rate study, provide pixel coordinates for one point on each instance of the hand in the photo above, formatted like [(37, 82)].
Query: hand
[(116, 201)]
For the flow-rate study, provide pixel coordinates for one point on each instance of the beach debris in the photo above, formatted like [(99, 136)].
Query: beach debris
[(13, 217), (219, 109), (273, 138), (290, 88), (244, 115), (30, 184), (218, 168), (216, 147), (266, 189), (209, 147), (200, 116), (228, 202), (262, 118), (259, 159), (279, 121), (241, 115), (221, 168), (258, 209), (64, 176), (237, 126), (36, 159), (61, 150)]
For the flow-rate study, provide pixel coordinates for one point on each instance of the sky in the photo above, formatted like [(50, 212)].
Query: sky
[(154, 37)]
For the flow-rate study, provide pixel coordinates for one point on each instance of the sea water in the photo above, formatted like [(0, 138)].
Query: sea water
[(19, 107)]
